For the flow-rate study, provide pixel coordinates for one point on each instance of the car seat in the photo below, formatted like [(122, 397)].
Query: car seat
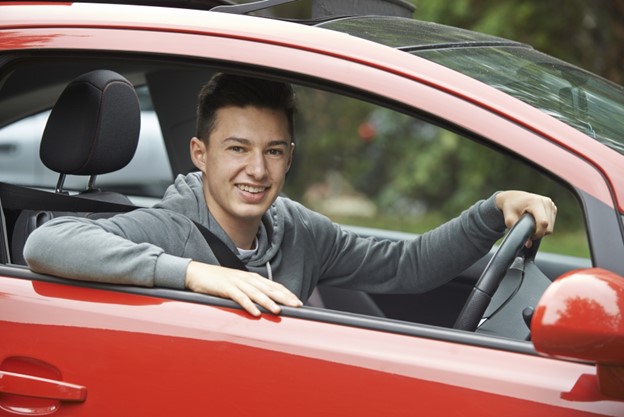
[(93, 129)]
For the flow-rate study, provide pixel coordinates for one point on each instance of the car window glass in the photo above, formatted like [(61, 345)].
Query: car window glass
[(589, 104), (583, 100), (365, 165), (148, 174)]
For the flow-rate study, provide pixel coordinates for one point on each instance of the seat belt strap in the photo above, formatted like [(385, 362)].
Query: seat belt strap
[(222, 252)]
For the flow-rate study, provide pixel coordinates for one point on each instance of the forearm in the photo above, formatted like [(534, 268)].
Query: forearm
[(81, 249), (443, 253), (420, 264)]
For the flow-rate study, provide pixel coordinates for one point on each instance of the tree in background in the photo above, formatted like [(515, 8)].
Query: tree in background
[(587, 33), (417, 167)]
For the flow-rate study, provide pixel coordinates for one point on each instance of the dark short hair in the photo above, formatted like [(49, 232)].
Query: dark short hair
[(224, 90)]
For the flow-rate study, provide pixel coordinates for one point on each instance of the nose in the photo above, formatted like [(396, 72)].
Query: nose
[(257, 166)]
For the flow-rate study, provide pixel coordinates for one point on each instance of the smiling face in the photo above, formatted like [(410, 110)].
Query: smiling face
[(244, 165)]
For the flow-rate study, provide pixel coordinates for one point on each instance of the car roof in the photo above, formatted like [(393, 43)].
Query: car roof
[(56, 14)]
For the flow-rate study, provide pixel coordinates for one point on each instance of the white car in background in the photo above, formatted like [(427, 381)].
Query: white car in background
[(148, 174)]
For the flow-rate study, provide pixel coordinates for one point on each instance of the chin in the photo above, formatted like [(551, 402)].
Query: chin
[(252, 213)]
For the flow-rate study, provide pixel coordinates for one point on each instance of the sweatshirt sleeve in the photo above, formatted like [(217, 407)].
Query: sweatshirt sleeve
[(115, 250), (416, 265)]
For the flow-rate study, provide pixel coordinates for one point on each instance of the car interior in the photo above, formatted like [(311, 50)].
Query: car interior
[(354, 186), (106, 141)]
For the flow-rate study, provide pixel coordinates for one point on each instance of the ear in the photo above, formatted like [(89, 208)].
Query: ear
[(198, 153), (290, 157)]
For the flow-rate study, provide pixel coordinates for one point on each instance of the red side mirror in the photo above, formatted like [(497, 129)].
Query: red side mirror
[(581, 316)]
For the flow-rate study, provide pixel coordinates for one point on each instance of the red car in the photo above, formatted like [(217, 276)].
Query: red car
[(389, 107)]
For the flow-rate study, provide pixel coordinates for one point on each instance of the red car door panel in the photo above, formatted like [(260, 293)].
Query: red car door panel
[(164, 357)]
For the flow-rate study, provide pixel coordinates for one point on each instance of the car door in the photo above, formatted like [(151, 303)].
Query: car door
[(75, 350)]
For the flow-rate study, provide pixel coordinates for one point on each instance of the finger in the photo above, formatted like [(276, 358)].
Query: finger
[(511, 218), (282, 294), (245, 288), (553, 219), (266, 302), (550, 210), (200, 280), (276, 292), (544, 214), (242, 299), (260, 296)]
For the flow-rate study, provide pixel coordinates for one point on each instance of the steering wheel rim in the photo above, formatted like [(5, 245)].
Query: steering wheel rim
[(493, 274)]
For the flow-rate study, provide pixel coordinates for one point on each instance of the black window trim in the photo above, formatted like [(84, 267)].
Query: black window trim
[(303, 313)]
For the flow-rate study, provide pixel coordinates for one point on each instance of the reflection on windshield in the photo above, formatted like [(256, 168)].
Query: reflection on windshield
[(578, 98)]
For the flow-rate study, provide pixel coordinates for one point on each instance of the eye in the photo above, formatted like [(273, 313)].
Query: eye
[(236, 149), (275, 152)]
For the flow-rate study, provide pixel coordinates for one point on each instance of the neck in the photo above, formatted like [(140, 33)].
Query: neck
[(243, 235), (242, 232)]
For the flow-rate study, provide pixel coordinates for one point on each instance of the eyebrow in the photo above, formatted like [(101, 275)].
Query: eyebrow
[(244, 141)]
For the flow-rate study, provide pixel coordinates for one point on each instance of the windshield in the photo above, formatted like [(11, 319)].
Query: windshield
[(578, 98)]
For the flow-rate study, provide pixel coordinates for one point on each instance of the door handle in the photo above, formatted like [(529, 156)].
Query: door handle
[(32, 386)]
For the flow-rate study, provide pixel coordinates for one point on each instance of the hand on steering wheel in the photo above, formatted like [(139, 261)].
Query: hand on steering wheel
[(494, 272)]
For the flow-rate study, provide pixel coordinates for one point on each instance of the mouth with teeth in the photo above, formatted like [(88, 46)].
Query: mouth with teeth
[(251, 189)]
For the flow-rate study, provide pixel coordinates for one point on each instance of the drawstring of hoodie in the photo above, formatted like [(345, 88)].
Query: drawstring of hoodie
[(269, 271), (246, 254)]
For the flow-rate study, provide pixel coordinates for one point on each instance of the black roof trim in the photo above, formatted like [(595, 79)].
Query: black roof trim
[(250, 7)]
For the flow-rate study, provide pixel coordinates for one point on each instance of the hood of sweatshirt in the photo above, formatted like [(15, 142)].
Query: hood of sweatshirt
[(186, 196)]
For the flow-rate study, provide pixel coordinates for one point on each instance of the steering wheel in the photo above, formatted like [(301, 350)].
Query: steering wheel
[(494, 272)]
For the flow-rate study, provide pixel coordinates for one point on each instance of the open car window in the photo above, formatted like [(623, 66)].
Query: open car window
[(383, 173), (366, 165), (391, 175)]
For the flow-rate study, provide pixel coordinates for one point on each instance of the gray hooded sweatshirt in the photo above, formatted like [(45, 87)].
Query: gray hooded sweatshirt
[(296, 247)]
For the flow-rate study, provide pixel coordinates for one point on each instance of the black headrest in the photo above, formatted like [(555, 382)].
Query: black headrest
[(94, 126)]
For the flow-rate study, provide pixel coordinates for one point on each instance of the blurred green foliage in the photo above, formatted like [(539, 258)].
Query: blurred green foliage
[(587, 33), (417, 175)]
